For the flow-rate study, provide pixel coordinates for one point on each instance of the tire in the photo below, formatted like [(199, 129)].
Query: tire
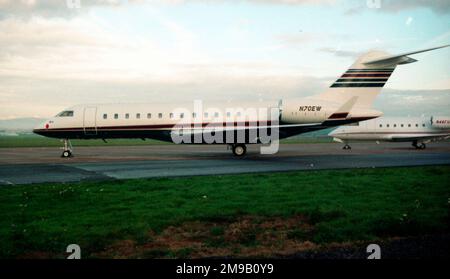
[(239, 150), (66, 154)]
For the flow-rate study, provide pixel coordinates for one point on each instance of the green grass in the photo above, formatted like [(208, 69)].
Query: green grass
[(341, 205)]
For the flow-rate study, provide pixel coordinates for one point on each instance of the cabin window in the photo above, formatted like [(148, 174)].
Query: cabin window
[(66, 113), (194, 115), (381, 125), (105, 116), (228, 114), (181, 115), (423, 125), (116, 116), (409, 125), (127, 115), (395, 125), (149, 115), (216, 114), (171, 115), (238, 113), (138, 116), (417, 125), (387, 125), (206, 115), (159, 115), (401, 125)]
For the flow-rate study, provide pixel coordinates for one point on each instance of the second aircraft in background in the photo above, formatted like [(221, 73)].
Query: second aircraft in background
[(417, 130)]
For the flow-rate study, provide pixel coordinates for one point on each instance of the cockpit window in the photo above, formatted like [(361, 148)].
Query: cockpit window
[(66, 113)]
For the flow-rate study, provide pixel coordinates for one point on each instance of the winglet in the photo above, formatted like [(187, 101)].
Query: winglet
[(398, 59)]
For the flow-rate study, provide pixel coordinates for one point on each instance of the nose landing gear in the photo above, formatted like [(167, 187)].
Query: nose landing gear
[(67, 149)]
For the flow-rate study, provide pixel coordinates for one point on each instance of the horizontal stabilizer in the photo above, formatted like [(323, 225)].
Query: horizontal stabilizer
[(397, 59)]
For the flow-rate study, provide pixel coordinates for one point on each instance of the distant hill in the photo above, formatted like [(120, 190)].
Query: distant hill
[(20, 124)]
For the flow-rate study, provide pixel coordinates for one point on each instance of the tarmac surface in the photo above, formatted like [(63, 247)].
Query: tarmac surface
[(36, 165)]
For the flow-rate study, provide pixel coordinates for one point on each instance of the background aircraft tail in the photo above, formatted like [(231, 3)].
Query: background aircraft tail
[(366, 77)]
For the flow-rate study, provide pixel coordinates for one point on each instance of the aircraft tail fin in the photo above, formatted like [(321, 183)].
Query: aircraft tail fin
[(366, 77)]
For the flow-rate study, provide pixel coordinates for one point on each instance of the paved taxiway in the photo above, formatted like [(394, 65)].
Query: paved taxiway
[(34, 165)]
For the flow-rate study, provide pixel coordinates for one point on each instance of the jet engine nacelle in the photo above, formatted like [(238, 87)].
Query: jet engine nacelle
[(440, 122)]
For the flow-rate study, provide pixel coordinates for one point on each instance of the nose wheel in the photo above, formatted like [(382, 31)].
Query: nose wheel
[(239, 149), (67, 149), (66, 154)]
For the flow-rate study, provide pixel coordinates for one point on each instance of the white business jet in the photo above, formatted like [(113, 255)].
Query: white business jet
[(417, 130), (349, 99)]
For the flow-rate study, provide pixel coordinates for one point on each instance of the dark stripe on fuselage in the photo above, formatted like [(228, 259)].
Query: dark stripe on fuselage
[(167, 126), (366, 75), (370, 70), (338, 115), (165, 134), (362, 80), (335, 85)]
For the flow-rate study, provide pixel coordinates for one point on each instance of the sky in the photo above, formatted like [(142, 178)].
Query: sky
[(58, 53)]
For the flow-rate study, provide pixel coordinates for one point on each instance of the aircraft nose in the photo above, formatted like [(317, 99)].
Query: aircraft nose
[(332, 133), (41, 128)]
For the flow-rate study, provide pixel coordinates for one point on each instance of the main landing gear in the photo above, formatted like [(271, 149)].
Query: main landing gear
[(239, 149), (67, 149), (347, 147), (419, 146)]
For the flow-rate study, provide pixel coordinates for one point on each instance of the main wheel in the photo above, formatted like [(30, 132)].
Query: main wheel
[(346, 147), (239, 149), (66, 154), (422, 146)]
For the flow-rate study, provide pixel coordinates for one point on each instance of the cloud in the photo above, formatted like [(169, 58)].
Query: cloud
[(53, 57), (52, 63), (52, 8), (413, 102), (296, 40), (80, 48), (292, 2), (394, 6), (43, 98), (341, 53), (437, 6), (276, 2)]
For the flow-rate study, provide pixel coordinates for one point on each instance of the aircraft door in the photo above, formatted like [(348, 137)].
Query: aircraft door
[(90, 121)]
